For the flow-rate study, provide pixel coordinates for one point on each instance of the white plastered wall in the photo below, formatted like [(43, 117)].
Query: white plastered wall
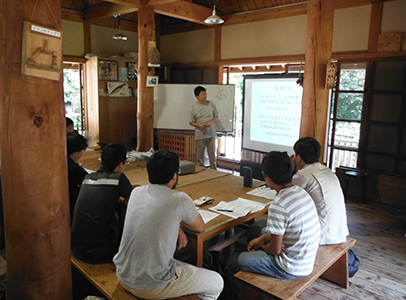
[(264, 38), (102, 41), (351, 28), (394, 19), (189, 47), (73, 42)]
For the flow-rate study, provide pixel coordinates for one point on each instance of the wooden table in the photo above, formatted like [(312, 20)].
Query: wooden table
[(140, 176), (90, 160), (226, 188)]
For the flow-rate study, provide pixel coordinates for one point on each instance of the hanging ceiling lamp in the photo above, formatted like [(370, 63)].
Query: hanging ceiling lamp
[(214, 18), (119, 35)]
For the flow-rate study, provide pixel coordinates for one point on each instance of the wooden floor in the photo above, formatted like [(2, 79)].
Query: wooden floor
[(381, 247)]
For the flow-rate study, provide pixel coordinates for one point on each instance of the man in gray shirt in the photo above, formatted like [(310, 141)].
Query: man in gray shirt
[(145, 263), (203, 117)]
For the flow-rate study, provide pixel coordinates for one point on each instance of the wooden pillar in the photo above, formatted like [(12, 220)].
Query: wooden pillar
[(375, 26), (320, 15), (34, 163), (217, 54), (145, 101), (87, 32)]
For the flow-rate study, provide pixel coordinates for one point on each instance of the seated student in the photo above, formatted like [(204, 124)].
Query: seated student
[(145, 264), (287, 249), (324, 188), (69, 125), (95, 234), (76, 145)]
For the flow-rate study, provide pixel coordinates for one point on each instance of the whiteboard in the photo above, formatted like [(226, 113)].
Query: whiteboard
[(173, 102)]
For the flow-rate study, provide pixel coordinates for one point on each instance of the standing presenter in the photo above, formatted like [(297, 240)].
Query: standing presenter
[(203, 117)]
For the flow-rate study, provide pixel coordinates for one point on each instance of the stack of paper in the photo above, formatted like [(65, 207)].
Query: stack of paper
[(238, 208), (264, 192), (207, 215)]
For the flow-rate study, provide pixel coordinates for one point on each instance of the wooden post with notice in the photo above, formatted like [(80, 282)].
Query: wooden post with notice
[(33, 154)]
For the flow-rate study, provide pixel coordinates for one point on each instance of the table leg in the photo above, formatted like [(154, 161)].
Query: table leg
[(198, 248)]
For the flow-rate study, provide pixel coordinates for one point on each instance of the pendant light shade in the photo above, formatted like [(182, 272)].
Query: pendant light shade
[(214, 18), (119, 35)]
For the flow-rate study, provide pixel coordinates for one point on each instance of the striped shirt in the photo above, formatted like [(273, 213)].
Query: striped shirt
[(294, 215)]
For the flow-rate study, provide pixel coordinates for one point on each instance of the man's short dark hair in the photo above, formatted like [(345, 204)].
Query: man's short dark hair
[(161, 166), (198, 90), (75, 142), (69, 122), (308, 148), (278, 167), (112, 155)]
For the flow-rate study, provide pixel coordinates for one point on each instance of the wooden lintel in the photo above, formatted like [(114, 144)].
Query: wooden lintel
[(184, 10), (74, 59), (271, 61), (107, 10)]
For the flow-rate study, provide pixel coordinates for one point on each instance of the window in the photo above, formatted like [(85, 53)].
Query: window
[(72, 87), (384, 129), (345, 116)]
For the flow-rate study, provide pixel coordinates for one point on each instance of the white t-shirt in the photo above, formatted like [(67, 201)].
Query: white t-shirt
[(324, 188), (145, 257)]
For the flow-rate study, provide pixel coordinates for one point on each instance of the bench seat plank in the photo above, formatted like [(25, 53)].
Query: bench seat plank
[(103, 277), (331, 263)]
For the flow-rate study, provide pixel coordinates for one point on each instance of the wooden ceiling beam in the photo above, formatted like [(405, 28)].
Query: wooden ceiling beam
[(107, 10), (159, 2), (78, 17), (179, 28), (184, 10), (136, 3), (287, 11), (266, 14)]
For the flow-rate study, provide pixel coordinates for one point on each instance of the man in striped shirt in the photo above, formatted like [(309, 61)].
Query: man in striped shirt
[(288, 245)]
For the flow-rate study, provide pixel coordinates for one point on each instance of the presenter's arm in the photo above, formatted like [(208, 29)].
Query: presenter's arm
[(196, 225), (208, 124), (194, 124)]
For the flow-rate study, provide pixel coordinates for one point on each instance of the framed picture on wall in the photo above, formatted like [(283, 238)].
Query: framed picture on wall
[(152, 80), (108, 70), (132, 71)]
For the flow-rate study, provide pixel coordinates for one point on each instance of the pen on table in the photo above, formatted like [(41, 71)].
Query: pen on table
[(227, 210)]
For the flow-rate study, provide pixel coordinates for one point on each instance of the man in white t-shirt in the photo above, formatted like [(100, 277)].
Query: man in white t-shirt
[(324, 188), (145, 263)]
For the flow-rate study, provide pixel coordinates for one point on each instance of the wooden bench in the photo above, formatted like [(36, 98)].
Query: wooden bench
[(331, 264), (103, 277)]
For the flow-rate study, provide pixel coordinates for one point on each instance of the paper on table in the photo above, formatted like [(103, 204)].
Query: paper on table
[(207, 215), (264, 192), (239, 207)]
